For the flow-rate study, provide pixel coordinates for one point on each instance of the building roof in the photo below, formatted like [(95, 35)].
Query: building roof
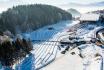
[(89, 17)]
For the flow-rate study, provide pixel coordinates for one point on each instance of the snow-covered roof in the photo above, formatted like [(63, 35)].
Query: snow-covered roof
[(89, 17)]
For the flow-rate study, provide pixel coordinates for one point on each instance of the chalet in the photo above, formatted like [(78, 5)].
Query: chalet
[(89, 17)]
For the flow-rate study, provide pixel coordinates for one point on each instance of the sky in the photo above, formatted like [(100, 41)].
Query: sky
[(51, 1), (4, 4)]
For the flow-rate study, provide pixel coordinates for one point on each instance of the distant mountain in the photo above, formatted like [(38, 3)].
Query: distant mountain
[(84, 5), (74, 12)]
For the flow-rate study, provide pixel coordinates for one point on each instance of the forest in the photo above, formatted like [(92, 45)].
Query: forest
[(22, 19), (13, 51), (26, 18)]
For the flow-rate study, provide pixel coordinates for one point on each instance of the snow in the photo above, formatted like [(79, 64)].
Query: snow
[(89, 17), (46, 55), (90, 61), (27, 63), (45, 34), (89, 51), (96, 64), (74, 62), (45, 52), (88, 31), (102, 37), (66, 62)]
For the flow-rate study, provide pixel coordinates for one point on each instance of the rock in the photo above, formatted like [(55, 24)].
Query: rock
[(63, 52)]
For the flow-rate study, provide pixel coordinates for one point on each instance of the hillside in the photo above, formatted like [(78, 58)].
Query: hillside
[(26, 18)]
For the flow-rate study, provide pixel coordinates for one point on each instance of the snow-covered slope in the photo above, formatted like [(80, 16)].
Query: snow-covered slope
[(88, 57), (46, 54)]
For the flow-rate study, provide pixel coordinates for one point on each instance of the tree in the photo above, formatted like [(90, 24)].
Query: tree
[(26, 18)]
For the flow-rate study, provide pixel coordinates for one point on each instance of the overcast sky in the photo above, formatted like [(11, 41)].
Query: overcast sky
[(51, 1), (4, 4)]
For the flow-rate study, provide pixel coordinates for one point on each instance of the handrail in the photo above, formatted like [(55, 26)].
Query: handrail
[(42, 53), (56, 47), (40, 47), (53, 52), (51, 47), (42, 40)]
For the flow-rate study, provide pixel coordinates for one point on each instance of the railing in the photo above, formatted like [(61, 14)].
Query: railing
[(47, 56), (45, 52)]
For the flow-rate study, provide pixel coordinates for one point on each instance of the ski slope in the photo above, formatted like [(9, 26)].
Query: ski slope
[(45, 52)]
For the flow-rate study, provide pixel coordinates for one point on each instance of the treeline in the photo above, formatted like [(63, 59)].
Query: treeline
[(13, 51), (26, 18)]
